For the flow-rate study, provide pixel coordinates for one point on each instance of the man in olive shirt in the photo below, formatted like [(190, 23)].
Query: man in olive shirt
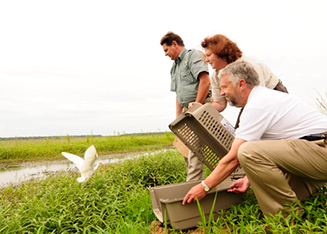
[(191, 82)]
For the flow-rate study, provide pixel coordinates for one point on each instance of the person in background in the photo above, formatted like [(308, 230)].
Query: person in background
[(191, 82), (280, 143), (221, 51)]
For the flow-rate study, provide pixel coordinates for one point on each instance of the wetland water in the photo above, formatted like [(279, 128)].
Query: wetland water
[(16, 173)]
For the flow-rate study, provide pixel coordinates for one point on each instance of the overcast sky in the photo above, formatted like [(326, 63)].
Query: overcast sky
[(97, 67)]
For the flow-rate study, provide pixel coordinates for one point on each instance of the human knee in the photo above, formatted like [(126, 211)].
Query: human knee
[(244, 151)]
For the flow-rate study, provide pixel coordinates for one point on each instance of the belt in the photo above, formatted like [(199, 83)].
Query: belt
[(315, 137)]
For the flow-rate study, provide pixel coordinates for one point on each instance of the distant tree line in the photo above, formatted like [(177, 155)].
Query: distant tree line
[(76, 136)]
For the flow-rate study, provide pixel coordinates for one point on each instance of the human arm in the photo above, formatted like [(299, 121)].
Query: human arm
[(203, 89), (220, 106), (219, 102), (224, 168), (240, 186), (179, 108)]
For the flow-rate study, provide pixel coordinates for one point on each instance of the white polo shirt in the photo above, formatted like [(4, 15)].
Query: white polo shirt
[(270, 114)]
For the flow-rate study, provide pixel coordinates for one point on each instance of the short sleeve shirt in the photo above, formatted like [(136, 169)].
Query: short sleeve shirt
[(184, 75), (266, 77), (271, 115)]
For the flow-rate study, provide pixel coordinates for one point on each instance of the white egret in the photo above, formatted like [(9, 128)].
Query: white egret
[(86, 166)]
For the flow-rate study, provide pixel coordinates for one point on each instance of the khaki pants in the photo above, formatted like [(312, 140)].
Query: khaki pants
[(194, 167), (193, 164), (284, 171)]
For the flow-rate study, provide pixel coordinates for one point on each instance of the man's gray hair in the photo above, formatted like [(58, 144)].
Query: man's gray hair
[(238, 70)]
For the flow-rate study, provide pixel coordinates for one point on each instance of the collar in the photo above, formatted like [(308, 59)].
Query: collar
[(181, 56)]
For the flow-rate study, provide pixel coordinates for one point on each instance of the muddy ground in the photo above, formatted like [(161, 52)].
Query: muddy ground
[(158, 228)]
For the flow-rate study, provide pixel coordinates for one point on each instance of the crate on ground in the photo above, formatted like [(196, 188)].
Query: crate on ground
[(167, 203), (204, 131)]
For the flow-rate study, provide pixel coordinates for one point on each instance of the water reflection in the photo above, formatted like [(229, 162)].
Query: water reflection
[(16, 173)]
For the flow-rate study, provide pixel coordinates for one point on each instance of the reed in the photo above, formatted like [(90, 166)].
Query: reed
[(322, 103)]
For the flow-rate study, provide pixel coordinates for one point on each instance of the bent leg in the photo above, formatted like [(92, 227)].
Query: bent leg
[(283, 171)]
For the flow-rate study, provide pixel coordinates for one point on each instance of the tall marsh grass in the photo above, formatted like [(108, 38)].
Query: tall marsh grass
[(322, 103)]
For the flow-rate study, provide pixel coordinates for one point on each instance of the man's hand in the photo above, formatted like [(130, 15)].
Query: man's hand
[(240, 186), (196, 193), (192, 104)]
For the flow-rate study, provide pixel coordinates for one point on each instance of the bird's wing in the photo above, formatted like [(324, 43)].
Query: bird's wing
[(90, 153), (78, 161), (89, 159)]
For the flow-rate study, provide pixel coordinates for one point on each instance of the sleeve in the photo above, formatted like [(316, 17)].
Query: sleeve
[(215, 83), (196, 63), (266, 77)]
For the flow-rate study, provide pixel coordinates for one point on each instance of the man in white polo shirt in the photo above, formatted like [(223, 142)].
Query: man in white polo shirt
[(281, 167)]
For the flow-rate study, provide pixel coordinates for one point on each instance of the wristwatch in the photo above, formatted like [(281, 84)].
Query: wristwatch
[(205, 187)]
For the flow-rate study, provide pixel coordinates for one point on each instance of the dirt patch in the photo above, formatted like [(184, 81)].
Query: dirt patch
[(158, 228)]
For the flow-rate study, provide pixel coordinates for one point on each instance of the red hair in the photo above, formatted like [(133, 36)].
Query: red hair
[(223, 47)]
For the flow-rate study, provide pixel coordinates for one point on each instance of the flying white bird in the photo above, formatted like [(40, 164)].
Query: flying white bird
[(86, 166)]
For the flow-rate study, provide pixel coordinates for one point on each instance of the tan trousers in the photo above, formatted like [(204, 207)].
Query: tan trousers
[(284, 171), (194, 167), (193, 164)]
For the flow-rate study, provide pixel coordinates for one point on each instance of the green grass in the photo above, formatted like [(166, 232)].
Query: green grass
[(248, 218), (51, 148), (116, 199)]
